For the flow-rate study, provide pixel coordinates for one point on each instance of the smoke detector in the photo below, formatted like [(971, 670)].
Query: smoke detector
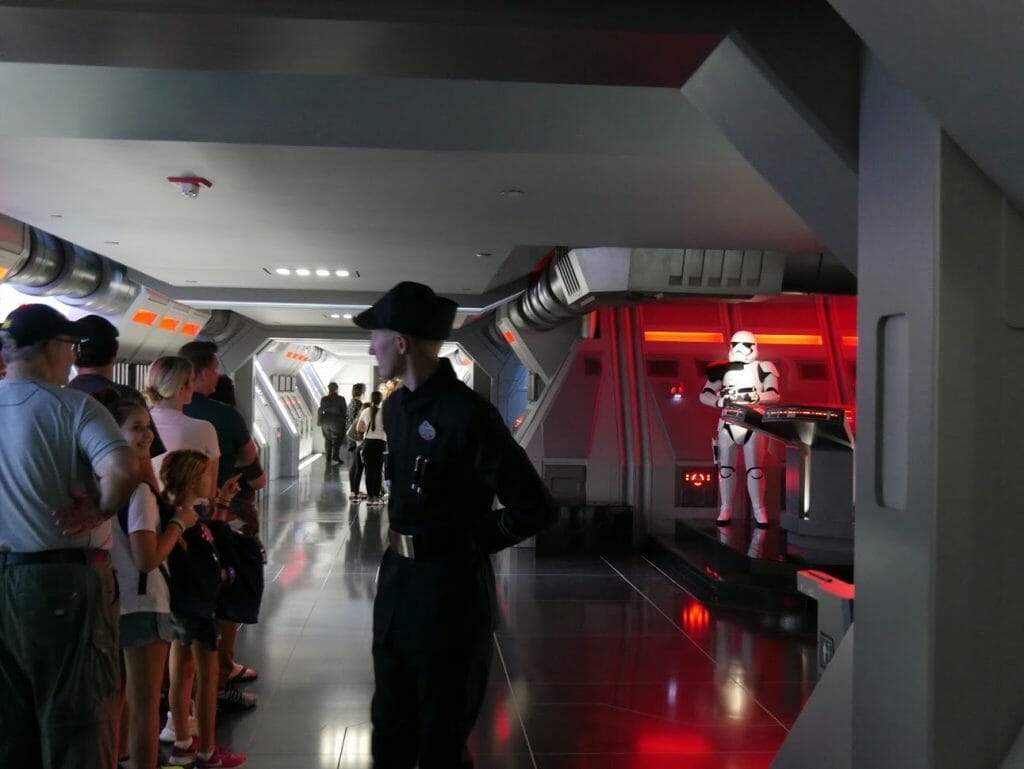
[(190, 185)]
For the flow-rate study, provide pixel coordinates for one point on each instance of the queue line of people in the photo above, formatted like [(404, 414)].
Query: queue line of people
[(96, 597), (450, 456)]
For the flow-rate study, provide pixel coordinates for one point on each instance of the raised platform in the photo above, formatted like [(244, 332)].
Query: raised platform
[(742, 566)]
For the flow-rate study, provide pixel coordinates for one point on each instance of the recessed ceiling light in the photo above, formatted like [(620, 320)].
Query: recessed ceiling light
[(342, 273), (483, 254), (112, 242), (190, 280), (283, 271), (56, 216), (347, 316), (323, 273), (302, 272), (335, 315), (512, 192)]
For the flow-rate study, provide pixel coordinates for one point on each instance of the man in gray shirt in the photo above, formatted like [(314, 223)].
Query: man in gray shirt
[(66, 470)]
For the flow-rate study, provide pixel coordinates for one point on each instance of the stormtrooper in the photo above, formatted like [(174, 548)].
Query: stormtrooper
[(742, 380)]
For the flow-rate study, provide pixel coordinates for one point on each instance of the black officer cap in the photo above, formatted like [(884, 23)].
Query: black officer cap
[(412, 309), (33, 323)]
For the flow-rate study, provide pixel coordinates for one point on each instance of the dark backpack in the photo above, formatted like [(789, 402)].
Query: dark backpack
[(243, 556), (193, 569)]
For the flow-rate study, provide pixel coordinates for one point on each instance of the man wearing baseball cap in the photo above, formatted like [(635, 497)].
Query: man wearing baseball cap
[(449, 455), (66, 470), (95, 356)]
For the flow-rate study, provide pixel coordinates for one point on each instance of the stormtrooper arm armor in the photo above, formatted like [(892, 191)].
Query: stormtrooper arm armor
[(709, 395), (769, 382)]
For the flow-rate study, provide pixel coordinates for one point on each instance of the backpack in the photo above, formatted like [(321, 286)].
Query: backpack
[(192, 570), (243, 557)]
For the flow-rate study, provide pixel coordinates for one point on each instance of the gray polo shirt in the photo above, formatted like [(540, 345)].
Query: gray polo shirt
[(50, 439)]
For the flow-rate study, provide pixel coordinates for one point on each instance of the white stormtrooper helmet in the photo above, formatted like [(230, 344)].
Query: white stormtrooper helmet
[(743, 347)]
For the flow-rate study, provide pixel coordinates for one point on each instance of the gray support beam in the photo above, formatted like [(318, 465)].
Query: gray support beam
[(940, 612), (789, 107)]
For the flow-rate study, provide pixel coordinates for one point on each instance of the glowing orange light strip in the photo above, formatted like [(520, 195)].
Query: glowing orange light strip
[(145, 317), (191, 329), (510, 337), (851, 341), (169, 324), (797, 339), (714, 337), (3, 272)]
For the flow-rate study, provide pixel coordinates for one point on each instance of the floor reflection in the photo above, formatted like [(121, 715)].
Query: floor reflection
[(601, 662)]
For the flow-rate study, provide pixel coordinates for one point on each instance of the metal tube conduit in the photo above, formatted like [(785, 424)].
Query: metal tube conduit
[(555, 296), (73, 275)]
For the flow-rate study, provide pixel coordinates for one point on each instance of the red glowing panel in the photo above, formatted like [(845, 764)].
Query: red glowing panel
[(697, 480), (510, 337), (191, 329), (169, 324), (145, 317), (713, 337), (850, 341)]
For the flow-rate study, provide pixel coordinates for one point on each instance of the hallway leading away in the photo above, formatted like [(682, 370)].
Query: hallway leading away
[(601, 662)]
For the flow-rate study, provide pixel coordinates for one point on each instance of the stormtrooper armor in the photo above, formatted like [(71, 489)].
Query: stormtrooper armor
[(744, 380)]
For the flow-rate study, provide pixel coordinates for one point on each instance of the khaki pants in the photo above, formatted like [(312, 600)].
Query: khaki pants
[(59, 671)]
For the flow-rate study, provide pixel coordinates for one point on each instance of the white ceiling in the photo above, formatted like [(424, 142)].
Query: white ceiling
[(378, 137), (330, 160)]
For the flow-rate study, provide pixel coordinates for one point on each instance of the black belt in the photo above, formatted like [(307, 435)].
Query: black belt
[(7, 558), (429, 546)]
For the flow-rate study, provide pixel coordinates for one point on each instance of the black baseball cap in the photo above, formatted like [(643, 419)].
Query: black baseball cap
[(96, 328), (413, 309), (34, 323)]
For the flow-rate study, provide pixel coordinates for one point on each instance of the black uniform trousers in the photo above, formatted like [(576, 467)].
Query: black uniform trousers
[(432, 649), (425, 704), (334, 439)]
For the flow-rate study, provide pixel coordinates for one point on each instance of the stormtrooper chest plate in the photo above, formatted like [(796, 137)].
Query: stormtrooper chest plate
[(745, 377)]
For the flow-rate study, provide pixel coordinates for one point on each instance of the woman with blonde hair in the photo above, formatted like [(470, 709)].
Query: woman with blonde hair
[(170, 385)]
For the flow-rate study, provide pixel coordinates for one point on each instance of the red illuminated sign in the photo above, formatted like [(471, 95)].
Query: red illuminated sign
[(697, 480)]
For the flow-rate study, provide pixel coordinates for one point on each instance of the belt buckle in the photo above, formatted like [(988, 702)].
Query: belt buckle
[(402, 544)]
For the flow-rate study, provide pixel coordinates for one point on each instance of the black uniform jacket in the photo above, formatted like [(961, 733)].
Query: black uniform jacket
[(449, 455), (331, 415)]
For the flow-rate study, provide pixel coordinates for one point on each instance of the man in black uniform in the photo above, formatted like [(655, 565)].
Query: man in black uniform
[(449, 454), (331, 419)]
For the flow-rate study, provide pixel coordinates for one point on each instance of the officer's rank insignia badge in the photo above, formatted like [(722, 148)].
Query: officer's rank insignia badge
[(427, 431)]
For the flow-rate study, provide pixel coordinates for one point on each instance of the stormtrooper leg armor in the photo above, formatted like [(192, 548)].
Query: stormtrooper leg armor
[(730, 438), (726, 450), (752, 457)]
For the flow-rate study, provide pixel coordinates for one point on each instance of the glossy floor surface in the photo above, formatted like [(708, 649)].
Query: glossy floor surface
[(601, 662)]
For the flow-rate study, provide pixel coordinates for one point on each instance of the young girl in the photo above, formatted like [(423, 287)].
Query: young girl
[(185, 478), (141, 545)]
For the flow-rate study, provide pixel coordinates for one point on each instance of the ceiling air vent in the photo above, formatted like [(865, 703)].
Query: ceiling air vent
[(571, 282)]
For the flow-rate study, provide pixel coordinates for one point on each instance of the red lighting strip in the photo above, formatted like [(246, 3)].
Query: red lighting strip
[(169, 324), (712, 337), (510, 337), (850, 341), (790, 339)]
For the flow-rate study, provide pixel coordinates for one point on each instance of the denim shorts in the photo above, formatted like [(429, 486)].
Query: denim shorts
[(142, 628), (190, 630)]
